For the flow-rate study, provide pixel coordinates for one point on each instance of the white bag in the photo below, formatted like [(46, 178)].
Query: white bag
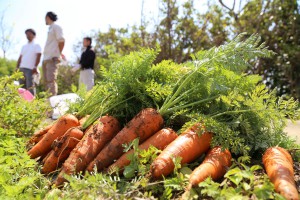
[(60, 103), (36, 77)]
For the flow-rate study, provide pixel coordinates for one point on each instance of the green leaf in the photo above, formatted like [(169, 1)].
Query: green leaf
[(129, 172), (186, 171), (255, 167)]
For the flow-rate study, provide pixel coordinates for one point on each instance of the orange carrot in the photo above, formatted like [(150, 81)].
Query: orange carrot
[(62, 149), (90, 145), (159, 140), (143, 125), (214, 165), (59, 128), (279, 166), (37, 136), (189, 146), (43, 158)]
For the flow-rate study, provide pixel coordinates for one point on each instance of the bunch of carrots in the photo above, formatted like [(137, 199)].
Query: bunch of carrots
[(65, 148)]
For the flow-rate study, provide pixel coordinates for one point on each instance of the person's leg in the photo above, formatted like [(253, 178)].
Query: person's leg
[(22, 80), (83, 78), (88, 78), (90, 82), (45, 75), (28, 79), (52, 69), (80, 82)]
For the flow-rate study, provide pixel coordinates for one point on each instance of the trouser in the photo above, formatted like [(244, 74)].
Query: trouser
[(86, 77), (27, 80), (50, 68)]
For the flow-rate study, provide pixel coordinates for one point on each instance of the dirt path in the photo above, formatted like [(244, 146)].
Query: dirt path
[(293, 130)]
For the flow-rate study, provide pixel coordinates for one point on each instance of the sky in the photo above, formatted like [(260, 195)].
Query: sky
[(78, 18)]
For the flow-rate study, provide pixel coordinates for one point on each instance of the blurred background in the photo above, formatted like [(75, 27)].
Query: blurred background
[(179, 28)]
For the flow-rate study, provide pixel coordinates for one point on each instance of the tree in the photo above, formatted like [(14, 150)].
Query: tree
[(165, 30), (182, 30), (5, 35), (188, 33), (278, 23)]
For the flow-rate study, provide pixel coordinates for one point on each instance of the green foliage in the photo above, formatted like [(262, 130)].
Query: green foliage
[(248, 121), (74, 107), (19, 178), (140, 160), (255, 119), (206, 80), (243, 114), (17, 116), (132, 83), (7, 67)]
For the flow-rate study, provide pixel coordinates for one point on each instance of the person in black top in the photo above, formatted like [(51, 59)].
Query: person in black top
[(86, 65)]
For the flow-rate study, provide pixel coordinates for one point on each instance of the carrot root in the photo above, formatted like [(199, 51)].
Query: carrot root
[(279, 167), (214, 165), (189, 146), (159, 140), (37, 136), (61, 150), (95, 138), (58, 129)]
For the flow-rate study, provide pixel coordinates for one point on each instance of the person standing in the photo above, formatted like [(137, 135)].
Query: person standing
[(29, 59), (52, 53), (86, 65)]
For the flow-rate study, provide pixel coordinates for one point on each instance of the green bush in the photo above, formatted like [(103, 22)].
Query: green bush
[(18, 116), (19, 178), (7, 67)]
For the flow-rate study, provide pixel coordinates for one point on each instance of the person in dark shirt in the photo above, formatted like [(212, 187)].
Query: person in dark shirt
[(86, 65)]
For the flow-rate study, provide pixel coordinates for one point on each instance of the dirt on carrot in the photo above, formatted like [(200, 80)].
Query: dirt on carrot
[(62, 148), (58, 129), (37, 136), (95, 138), (142, 126)]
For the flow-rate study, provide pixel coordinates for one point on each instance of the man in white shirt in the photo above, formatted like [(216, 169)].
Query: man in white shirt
[(29, 60), (52, 53)]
